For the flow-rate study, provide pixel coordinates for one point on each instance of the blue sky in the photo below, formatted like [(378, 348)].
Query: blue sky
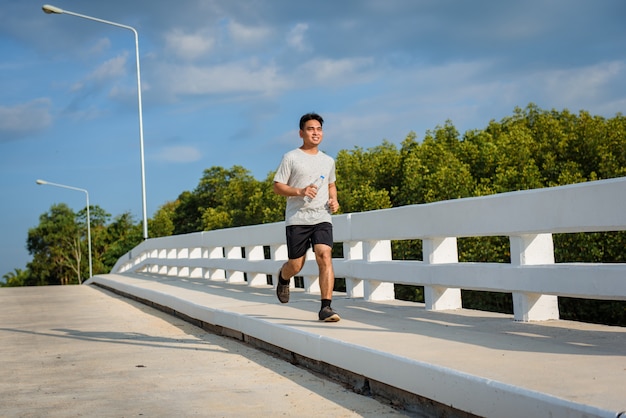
[(225, 82)]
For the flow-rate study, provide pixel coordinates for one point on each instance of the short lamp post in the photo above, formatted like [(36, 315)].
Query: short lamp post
[(56, 10), (88, 219)]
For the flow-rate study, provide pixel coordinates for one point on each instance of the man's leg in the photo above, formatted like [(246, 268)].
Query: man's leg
[(286, 272), (292, 267), (323, 256)]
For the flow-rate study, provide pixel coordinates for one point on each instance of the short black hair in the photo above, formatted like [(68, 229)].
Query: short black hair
[(310, 116)]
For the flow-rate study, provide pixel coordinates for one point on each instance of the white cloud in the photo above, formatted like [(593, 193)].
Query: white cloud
[(295, 38), (115, 67), (325, 70), (125, 93), (233, 78), (583, 84), (179, 154), (100, 46), (24, 119), (110, 69), (243, 34), (188, 46)]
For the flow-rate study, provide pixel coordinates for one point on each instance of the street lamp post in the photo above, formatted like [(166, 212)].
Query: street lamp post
[(56, 10), (88, 220)]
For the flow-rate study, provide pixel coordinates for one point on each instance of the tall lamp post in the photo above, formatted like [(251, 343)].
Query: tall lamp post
[(88, 219), (56, 10)]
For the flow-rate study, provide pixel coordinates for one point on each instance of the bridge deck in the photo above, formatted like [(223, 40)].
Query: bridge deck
[(80, 351), (479, 362)]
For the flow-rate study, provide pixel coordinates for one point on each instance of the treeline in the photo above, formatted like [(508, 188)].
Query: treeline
[(59, 246), (532, 148)]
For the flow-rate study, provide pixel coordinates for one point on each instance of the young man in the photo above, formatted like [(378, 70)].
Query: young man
[(308, 212)]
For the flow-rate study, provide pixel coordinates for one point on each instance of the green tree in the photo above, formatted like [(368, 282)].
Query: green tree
[(162, 223), (432, 171), (122, 235), (220, 200), (368, 179), (226, 198), (99, 219), (55, 247), (17, 277), (187, 215), (267, 205), (612, 158)]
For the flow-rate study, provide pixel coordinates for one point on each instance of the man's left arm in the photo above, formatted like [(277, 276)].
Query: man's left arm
[(333, 204)]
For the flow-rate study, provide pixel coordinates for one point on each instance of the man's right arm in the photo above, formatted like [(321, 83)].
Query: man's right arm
[(285, 190), (288, 191)]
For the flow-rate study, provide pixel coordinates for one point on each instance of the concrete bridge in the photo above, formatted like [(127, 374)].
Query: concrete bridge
[(435, 358)]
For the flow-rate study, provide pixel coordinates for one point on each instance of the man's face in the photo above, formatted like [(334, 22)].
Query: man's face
[(312, 133)]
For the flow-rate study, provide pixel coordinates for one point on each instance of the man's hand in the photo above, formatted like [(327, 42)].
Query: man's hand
[(333, 205), (310, 191)]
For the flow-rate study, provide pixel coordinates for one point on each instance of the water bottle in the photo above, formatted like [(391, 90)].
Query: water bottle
[(317, 183)]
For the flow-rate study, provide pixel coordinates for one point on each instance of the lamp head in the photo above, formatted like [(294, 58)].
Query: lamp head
[(49, 9), (41, 182)]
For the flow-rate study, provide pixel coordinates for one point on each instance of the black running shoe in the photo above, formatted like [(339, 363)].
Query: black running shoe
[(282, 290), (328, 315)]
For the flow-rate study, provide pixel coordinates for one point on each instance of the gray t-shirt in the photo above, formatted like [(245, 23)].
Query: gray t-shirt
[(299, 169)]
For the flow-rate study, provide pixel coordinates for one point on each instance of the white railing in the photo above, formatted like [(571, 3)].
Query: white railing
[(528, 218)]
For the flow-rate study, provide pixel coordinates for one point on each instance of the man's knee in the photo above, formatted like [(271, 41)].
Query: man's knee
[(295, 265), (323, 254)]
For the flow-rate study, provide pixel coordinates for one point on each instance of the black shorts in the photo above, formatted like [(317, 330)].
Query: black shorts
[(301, 237)]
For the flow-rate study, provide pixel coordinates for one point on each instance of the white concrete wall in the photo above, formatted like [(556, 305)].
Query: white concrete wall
[(528, 218)]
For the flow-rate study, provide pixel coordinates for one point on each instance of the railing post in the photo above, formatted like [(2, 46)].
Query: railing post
[(353, 250), (162, 268), (172, 254), (195, 253), (280, 254), (374, 290), (152, 268), (533, 250), (440, 250), (183, 271), (213, 273), (255, 253), (234, 276)]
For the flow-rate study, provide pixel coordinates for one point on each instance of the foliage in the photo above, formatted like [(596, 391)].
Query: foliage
[(531, 149), (17, 277), (55, 247), (432, 171), (226, 198), (162, 223), (122, 235), (60, 249), (367, 180)]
